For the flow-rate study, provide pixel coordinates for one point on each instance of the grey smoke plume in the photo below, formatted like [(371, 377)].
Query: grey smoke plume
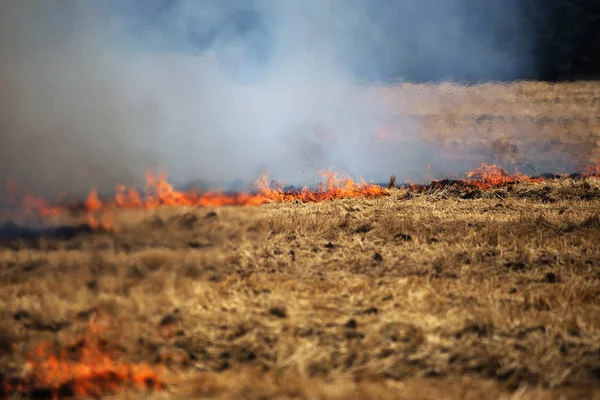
[(94, 93)]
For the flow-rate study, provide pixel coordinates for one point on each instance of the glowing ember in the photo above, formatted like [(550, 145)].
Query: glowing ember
[(87, 367)]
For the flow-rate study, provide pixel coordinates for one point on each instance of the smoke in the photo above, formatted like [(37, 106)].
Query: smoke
[(94, 93)]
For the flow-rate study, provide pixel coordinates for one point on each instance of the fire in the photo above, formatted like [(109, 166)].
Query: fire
[(484, 177), (32, 205), (334, 187), (127, 198), (37, 205), (592, 169), (87, 367), (491, 176), (101, 212), (158, 192)]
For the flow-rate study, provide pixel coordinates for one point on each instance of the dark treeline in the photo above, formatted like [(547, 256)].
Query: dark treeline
[(567, 39), (549, 40)]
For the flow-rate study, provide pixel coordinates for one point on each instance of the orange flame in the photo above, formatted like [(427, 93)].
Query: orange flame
[(128, 198), (484, 177), (37, 205), (592, 169), (88, 367), (491, 176), (98, 215), (30, 204), (159, 192), (101, 213), (334, 187)]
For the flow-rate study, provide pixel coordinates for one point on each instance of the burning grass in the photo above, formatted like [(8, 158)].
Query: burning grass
[(101, 214), (86, 367), (481, 286), (410, 294), (159, 193)]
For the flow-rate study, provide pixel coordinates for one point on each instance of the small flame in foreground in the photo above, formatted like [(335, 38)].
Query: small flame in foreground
[(87, 367)]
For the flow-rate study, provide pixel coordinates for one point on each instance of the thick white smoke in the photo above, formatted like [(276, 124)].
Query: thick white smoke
[(94, 93)]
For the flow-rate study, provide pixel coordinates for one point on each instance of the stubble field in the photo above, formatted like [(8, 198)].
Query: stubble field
[(444, 293)]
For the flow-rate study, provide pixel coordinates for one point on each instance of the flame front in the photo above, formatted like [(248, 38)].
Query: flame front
[(158, 192)]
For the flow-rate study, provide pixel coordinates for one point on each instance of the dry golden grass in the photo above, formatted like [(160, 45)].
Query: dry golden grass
[(411, 296), (426, 296), (539, 123)]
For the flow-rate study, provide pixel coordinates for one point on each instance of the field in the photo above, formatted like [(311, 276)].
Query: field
[(446, 292), (547, 126)]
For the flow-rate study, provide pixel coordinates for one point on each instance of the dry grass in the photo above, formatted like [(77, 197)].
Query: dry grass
[(546, 125), (408, 296), (428, 296)]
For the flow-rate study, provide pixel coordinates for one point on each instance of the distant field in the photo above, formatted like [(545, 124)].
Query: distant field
[(553, 127), (423, 293)]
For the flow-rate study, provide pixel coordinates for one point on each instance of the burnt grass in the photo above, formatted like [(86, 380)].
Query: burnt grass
[(419, 294)]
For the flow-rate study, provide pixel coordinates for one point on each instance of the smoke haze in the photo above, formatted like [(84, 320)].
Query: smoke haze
[(94, 93)]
